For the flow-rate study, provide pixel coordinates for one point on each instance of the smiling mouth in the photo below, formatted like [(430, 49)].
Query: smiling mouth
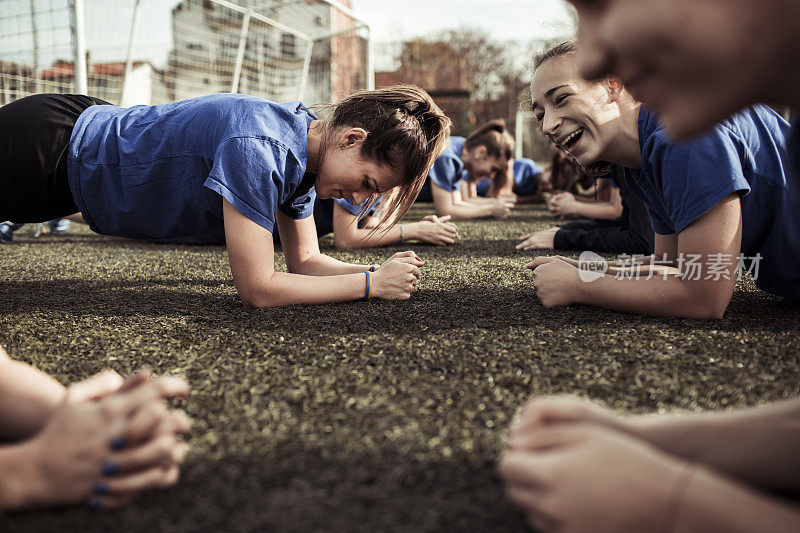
[(572, 139)]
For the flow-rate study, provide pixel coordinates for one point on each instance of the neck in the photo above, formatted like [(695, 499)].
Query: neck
[(314, 146), (625, 150)]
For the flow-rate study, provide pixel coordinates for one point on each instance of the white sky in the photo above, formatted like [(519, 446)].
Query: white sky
[(518, 20)]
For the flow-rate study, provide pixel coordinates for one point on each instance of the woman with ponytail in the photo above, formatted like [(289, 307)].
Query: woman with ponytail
[(229, 164)]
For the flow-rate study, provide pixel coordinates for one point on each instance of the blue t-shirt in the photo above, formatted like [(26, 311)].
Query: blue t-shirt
[(526, 178), (160, 172), (355, 209), (745, 154), (448, 170)]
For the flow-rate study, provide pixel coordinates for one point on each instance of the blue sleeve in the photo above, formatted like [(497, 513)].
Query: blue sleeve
[(446, 173), (692, 177), (355, 209), (482, 187), (526, 177), (349, 206), (245, 173), (608, 183)]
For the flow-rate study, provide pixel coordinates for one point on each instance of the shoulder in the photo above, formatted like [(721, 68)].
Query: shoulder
[(523, 163), (722, 143), (454, 148)]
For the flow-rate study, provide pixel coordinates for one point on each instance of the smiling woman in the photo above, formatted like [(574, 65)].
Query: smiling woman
[(717, 202), (235, 164)]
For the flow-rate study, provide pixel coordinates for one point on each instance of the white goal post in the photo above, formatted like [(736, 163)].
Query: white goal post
[(156, 51)]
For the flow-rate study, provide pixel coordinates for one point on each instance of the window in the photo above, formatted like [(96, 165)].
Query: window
[(288, 45)]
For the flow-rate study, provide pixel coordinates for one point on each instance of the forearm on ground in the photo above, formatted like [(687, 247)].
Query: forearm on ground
[(756, 445), (28, 398)]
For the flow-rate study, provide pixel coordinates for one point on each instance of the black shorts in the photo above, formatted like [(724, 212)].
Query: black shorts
[(34, 143)]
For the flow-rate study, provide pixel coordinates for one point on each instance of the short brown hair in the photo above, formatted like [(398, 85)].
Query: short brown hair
[(405, 130), (561, 49)]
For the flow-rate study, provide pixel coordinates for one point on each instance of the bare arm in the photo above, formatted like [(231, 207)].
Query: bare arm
[(567, 204), (469, 193), (757, 445), (28, 398), (450, 203), (535, 198), (468, 190), (319, 279), (694, 295), (347, 234), (301, 250)]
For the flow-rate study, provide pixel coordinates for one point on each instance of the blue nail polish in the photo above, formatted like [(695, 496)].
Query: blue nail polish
[(110, 469), (119, 443), (101, 488), (94, 504)]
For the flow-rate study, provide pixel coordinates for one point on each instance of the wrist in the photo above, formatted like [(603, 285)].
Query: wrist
[(411, 230), (367, 285), (21, 482), (579, 288)]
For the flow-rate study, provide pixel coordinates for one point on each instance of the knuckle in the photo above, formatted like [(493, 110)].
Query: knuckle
[(109, 411)]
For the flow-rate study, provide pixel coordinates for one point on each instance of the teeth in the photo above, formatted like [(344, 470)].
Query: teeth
[(570, 137)]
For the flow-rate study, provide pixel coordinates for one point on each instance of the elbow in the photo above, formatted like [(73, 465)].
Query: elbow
[(709, 307), (443, 211), (343, 241), (255, 301), (715, 311), (258, 297)]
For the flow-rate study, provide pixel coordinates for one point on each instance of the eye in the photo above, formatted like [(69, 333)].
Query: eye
[(559, 99), (370, 184), (540, 116)]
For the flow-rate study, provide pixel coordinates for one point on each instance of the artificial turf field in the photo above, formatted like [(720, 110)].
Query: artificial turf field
[(364, 416)]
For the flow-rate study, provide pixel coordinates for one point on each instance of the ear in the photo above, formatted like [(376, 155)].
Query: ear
[(479, 152), (353, 136), (614, 88)]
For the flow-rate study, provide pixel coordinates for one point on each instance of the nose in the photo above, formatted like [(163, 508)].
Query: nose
[(359, 196), (551, 122), (594, 56)]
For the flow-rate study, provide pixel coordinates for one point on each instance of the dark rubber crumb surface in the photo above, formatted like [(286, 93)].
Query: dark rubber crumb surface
[(377, 416)]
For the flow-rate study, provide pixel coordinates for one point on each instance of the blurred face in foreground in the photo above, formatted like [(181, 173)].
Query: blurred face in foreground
[(694, 61)]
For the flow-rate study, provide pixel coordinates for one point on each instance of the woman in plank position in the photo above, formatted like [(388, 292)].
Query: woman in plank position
[(228, 163), (693, 472)]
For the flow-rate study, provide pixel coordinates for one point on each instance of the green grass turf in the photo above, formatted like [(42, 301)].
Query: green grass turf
[(362, 416)]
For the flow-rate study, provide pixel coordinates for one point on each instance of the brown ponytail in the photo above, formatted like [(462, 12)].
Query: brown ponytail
[(494, 136), (405, 130)]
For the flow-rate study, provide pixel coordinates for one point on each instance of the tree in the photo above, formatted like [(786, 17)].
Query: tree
[(466, 59)]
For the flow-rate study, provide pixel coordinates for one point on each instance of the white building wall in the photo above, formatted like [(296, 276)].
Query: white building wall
[(139, 86), (203, 59)]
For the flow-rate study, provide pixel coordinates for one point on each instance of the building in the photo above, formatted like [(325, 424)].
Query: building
[(144, 84), (206, 43)]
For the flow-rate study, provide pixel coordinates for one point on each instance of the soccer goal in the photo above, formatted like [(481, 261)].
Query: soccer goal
[(531, 142), (155, 51)]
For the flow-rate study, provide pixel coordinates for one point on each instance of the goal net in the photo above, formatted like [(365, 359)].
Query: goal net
[(157, 51), (531, 142)]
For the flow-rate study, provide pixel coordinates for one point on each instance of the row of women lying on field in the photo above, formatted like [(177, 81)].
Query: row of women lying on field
[(709, 165)]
